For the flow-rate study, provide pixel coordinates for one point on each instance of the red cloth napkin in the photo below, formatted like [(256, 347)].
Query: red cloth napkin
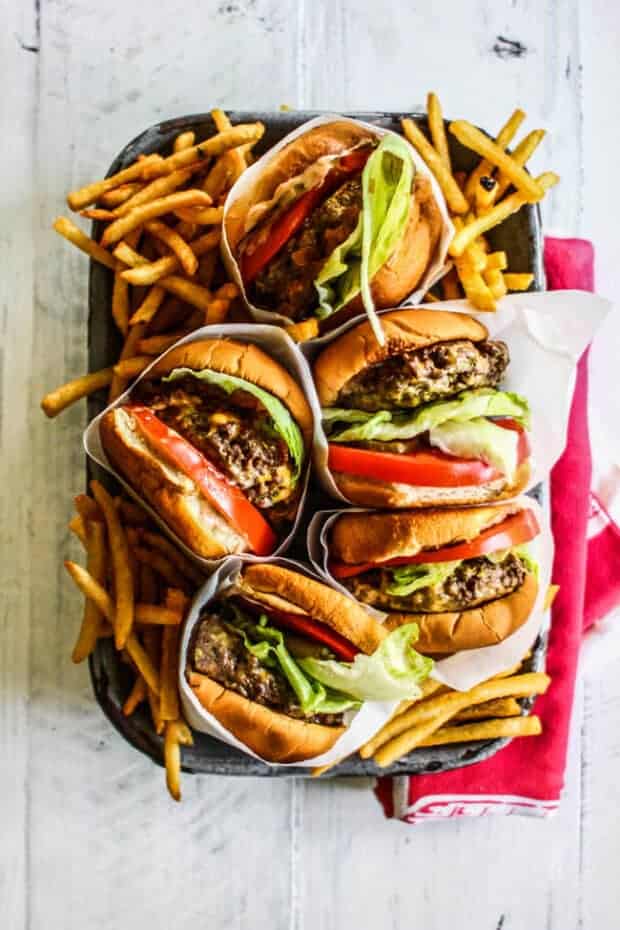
[(527, 776)]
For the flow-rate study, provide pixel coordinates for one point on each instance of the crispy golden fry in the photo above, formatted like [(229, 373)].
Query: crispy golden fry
[(120, 304), (162, 187), (497, 260), (98, 213), (61, 398), (136, 696), (500, 707), (450, 286), (156, 615), (119, 382), (518, 282), (210, 148), (149, 306), (189, 291), (140, 215), (474, 285), (132, 367), (495, 282), (451, 191), (119, 195), (301, 332), (235, 157), (177, 734), (144, 272), (437, 129), (207, 216), (473, 139), (152, 646), (143, 662), (92, 590), (176, 244), (119, 551), (78, 527), (430, 298), (93, 620), (552, 592), (184, 140), (87, 507), (174, 555), (74, 234), (522, 153), (126, 254), (487, 729), (161, 564), (155, 345), (169, 698), (428, 687), (92, 192), (502, 140), (484, 196), (221, 177), (217, 311)]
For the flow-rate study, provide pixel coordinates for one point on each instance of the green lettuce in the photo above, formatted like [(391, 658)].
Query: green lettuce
[(283, 422), (387, 181), (392, 673), (479, 439)]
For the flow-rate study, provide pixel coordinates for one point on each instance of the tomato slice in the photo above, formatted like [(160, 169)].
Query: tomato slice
[(524, 448), (430, 468), (286, 226), (313, 629), (226, 497), (513, 531)]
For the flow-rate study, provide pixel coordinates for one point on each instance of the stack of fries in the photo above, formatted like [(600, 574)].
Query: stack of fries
[(480, 201), (137, 587)]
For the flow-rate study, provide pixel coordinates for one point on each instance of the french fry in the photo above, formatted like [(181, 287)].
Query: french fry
[(451, 191), (502, 140), (136, 696), (149, 306), (92, 590), (144, 272), (500, 707), (487, 729), (172, 314), (97, 213), (552, 592), (92, 192), (161, 187), (161, 564), (300, 332), (62, 397), (87, 507), (119, 382), (184, 140), (497, 260), (156, 615), (190, 292), (203, 216), (495, 282), (484, 196), (120, 303), (438, 129), (235, 157), (138, 216), (78, 528), (143, 662), (129, 368), (518, 282), (217, 311), (131, 512), (475, 287), (155, 345), (430, 298), (149, 591), (119, 552), (522, 153), (239, 135), (169, 697), (175, 243), (473, 139), (129, 256), (92, 620), (450, 286), (174, 555), (152, 646), (428, 687), (119, 195), (72, 233), (177, 735)]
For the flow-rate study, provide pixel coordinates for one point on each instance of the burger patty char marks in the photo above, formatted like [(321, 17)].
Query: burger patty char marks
[(473, 582), (286, 284), (233, 431), (432, 372), (219, 652)]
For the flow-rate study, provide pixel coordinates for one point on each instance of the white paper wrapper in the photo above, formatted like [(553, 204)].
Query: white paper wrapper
[(363, 723), (467, 668), (546, 334), (433, 273), (276, 343)]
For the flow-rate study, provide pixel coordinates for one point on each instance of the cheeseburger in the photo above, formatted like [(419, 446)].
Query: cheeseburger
[(215, 437), (464, 576), (420, 420), (280, 659), (336, 221)]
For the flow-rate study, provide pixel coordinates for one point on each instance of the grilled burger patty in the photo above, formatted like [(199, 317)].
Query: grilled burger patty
[(219, 652), (473, 582), (233, 431), (414, 378), (286, 284)]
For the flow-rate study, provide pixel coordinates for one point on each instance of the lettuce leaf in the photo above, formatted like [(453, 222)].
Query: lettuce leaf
[(479, 439), (283, 422), (393, 672)]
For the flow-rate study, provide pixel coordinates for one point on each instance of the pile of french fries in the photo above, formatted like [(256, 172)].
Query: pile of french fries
[(496, 188), (137, 587)]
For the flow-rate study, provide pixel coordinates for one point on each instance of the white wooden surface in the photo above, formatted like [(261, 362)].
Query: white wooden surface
[(88, 838)]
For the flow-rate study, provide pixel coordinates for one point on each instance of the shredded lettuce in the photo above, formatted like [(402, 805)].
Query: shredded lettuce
[(283, 422), (479, 439)]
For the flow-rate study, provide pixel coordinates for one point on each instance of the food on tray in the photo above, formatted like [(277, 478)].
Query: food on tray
[(280, 658), (421, 420), (338, 221), (465, 576), (216, 438)]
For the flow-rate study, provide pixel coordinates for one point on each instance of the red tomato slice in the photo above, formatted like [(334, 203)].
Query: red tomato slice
[(228, 499), (513, 531), (427, 469), (313, 629)]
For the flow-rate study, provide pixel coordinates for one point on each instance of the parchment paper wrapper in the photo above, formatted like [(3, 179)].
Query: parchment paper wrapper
[(276, 343), (435, 270), (467, 668), (362, 724), (546, 334)]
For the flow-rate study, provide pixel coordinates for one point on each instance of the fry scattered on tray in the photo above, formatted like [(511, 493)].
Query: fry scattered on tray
[(137, 589), (481, 200)]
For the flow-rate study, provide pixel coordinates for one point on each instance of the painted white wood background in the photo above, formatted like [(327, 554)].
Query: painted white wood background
[(88, 837)]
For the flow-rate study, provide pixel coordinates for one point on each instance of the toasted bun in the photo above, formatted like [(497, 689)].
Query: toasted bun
[(375, 537), (346, 616), (481, 626), (404, 330), (243, 360), (290, 161), (173, 495), (368, 492), (274, 736)]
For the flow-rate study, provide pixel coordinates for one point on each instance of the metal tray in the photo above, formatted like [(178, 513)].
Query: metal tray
[(520, 237)]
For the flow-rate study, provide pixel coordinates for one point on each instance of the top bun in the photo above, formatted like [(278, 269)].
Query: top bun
[(269, 583), (404, 330), (242, 360), (376, 537)]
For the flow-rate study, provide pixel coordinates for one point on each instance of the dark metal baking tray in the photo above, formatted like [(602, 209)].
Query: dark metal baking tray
[(520, 237)]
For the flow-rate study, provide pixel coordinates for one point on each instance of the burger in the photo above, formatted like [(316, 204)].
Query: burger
[(465, 576), (215, 438), (282, 661), (336, 221), (420, 421)]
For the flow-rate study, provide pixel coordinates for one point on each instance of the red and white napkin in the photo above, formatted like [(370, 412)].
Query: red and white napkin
[(527, 776)]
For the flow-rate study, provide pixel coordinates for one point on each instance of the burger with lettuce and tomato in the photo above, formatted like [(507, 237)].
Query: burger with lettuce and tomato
[(466, 576), (216, 438), (421, 420)]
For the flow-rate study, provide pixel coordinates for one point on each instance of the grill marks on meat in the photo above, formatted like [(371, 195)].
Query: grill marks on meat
[(233, 431), (474, 582), (287, 283), (433, 372)]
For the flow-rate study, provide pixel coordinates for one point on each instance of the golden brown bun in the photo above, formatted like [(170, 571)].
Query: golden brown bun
[(292, 160), (376, 537), (243, 361), (274, 736), (481, 626), (404, 330), (172, 494), (317, 600), (370, 492)]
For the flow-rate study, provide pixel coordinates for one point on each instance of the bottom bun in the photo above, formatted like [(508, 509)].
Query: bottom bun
[(481, 626), (274, 736), (173, 495), (371, 492)]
